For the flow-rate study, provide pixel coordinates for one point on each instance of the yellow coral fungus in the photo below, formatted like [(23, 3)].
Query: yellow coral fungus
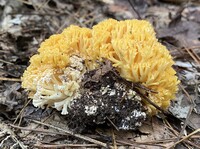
[(54, 75)]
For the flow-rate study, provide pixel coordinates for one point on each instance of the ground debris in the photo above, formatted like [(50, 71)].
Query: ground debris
[(10, 139), (106, 97)]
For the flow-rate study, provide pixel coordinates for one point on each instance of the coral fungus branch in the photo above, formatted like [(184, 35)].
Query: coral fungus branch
[(56, 72)]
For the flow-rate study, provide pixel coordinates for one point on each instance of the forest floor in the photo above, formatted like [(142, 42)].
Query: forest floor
[(27, 23)]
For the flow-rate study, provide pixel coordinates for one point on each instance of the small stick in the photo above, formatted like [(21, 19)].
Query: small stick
[(12, 135), (175, 132), (114, 140), (140, 86), (10, 79), (151, 102), (6, 62), (20, 113), (35, 127), (112, 123), (51, 146), (137, 144), (76, 135), (37, 130), (195, 54), (188, 136), (189, 112), (196, 59), (137, 13)]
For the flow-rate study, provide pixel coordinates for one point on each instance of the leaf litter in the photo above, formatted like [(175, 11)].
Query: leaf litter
[(25, 24)]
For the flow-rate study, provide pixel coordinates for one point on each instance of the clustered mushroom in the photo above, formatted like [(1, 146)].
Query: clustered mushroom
[(54, 75)]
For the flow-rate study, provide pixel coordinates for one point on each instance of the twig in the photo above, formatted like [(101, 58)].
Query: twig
[(194, 47), (45, 119), (136, 144), (6, 62), (151, 102), (25, 2), (189, 112), (195, 57), (43, 5), (61, 27), (137, 13), (37, 130), (158, 141), (20, 113), (12, 135), (114, 140), (140, 86), (188, 136), (193, 144), (167, 124), (51, 146), (195, 54), (2, 51), (76, 135), (176, 134), (36, 13), (112, 124), (10, 79)]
